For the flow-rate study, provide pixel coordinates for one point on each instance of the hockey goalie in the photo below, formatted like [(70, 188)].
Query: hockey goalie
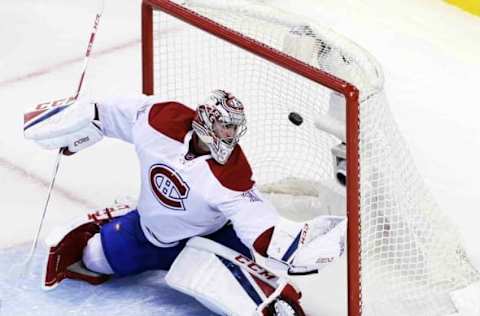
[(199, 214)]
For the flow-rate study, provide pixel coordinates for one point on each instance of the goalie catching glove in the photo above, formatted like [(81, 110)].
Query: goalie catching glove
[(304, 248), (67, 123)]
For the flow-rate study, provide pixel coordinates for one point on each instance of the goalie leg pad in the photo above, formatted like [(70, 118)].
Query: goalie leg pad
[(64, 258), (229, 283), (66, 245)]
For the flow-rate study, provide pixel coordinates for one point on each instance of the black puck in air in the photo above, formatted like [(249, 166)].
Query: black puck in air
[(295, 118)]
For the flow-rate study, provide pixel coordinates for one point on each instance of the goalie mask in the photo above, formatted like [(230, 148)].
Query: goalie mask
[(219, 123)]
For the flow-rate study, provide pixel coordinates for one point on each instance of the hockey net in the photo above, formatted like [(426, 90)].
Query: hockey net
[(404, 255)]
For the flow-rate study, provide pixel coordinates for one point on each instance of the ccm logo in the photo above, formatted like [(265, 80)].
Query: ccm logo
[(51, 104), (81, 141), (252, 266)]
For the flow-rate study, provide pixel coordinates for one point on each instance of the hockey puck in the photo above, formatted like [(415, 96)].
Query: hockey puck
[(295, 118)]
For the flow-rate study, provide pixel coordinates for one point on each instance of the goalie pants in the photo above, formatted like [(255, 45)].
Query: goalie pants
[(129, 252)]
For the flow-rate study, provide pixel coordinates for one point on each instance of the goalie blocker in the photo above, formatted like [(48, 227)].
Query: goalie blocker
[(67, 123)]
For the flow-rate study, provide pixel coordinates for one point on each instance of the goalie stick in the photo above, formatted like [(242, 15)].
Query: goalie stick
[(60, 152)]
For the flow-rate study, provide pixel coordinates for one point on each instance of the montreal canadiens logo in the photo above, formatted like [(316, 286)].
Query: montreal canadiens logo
[(168, 187)]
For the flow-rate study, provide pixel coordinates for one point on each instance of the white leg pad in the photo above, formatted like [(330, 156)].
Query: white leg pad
[(223, 280), (202, 275), (94, 258)]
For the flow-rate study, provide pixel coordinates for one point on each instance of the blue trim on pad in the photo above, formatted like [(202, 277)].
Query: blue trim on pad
[(292, 248), (242, 279), (45, 116)]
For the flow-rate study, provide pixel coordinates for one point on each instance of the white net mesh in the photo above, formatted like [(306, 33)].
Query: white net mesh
[(411, 254)]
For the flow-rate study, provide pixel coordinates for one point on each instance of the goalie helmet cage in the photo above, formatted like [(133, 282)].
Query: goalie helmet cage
[(404, 256)]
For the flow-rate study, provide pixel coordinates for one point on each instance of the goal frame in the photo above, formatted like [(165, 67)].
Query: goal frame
[(349, 91)]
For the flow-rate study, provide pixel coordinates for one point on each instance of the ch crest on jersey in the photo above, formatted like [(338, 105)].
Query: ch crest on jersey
[(168, 187)]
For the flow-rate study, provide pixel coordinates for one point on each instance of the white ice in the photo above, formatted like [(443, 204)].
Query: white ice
[(430, 54)]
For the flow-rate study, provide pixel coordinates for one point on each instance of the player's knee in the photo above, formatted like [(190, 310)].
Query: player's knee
[(94, 257)]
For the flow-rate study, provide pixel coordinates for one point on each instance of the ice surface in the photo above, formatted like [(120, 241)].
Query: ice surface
[(145, 294)]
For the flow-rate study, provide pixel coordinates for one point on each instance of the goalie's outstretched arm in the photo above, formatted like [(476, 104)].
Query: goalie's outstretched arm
[(298, 248)]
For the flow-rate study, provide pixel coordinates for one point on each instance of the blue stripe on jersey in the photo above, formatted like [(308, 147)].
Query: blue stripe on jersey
[(242, 279), (292, 248), (45, 116)]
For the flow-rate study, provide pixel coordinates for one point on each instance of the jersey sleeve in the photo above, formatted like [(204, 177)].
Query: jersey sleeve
[(119, 114), (250, 213)]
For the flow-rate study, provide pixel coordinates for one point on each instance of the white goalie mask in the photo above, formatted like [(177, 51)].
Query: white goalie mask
[(219, 123)]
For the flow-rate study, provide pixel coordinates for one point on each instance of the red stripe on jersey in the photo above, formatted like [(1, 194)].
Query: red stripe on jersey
[(236, 174), (172, 119)]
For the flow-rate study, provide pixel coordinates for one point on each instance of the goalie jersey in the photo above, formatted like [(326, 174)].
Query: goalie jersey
[(182, 195)]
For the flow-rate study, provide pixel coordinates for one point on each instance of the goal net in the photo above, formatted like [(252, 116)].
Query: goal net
[(404, 255)]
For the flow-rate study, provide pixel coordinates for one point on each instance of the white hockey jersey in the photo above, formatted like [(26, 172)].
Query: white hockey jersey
[(182, 198)]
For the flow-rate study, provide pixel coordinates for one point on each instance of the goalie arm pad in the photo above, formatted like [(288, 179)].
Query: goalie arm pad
[(303, 248), (229, 283), (67, 123)]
